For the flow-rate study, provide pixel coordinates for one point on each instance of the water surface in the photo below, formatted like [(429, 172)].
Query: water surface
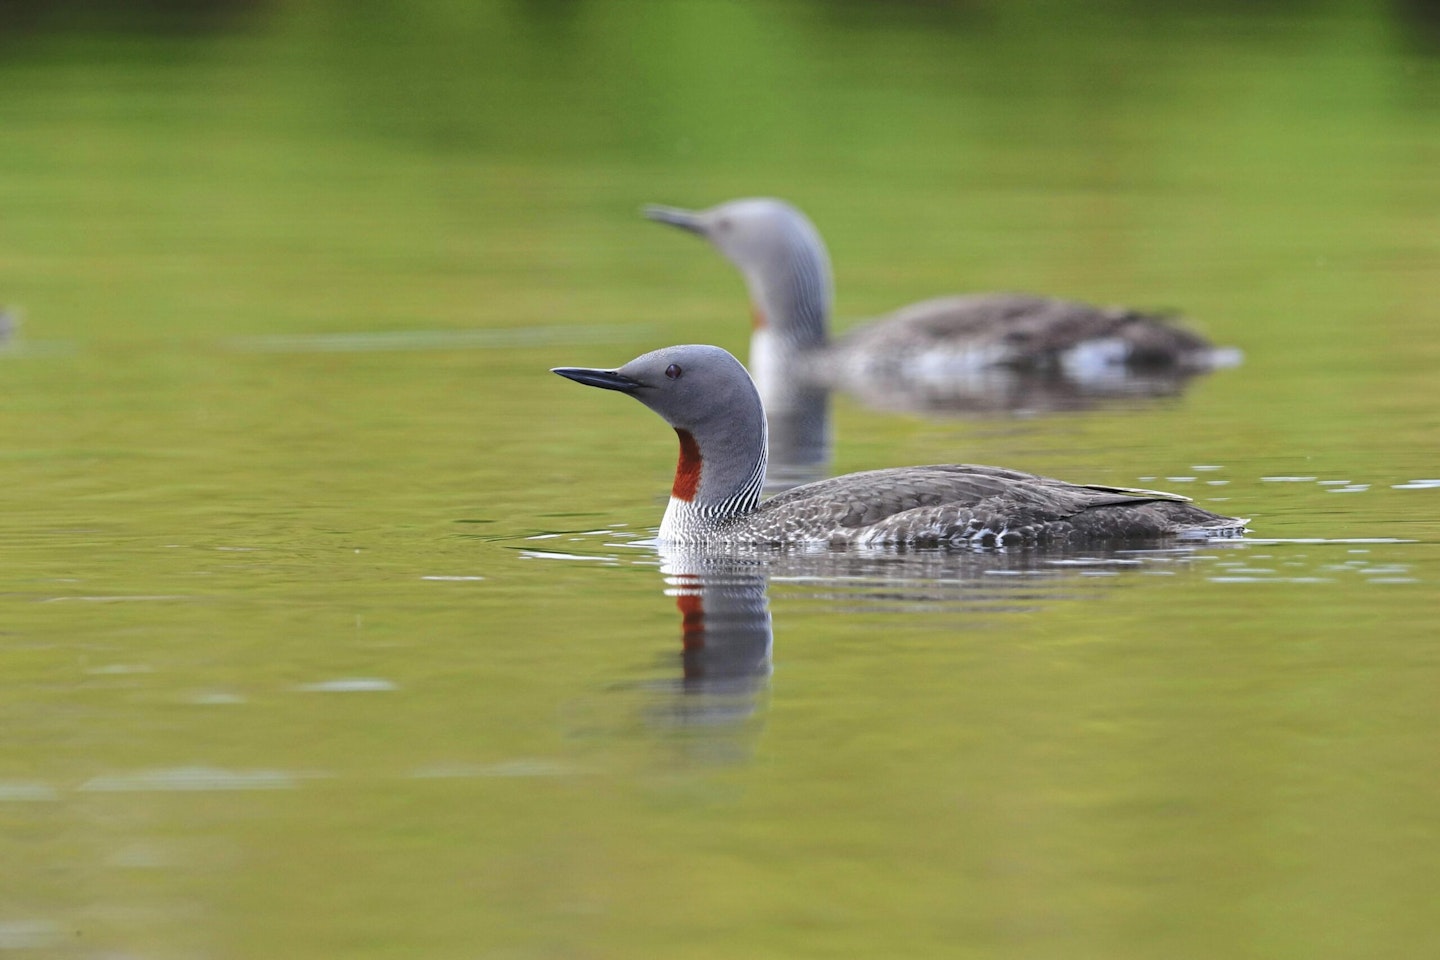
[(328, 624)]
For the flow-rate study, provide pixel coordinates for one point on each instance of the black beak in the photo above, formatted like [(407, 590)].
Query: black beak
[(605, 379), (676, 217)]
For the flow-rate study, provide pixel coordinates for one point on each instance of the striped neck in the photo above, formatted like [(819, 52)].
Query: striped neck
[(718, 478), (790, 291)]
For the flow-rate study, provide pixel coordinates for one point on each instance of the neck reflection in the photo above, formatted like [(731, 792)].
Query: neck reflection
[(725, 627)]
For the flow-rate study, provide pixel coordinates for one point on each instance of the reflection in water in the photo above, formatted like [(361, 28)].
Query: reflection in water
[(726, 631), (913, 580), (725, 635), (797, 416), (798, 412)]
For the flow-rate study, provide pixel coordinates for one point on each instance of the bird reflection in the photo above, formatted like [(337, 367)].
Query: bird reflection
[(929, 580), (725, 635), (802, 439), (726, 632), (797, 417)]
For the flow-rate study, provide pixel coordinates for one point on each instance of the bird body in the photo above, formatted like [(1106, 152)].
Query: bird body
[(969, 333), (787, 272), (707, 396)]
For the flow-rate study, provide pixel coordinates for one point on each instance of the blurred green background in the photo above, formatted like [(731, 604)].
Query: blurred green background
[(289, 277)]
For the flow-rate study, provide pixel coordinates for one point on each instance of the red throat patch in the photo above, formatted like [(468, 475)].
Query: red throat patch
[(687, 471), (692, 621), (758, 320)]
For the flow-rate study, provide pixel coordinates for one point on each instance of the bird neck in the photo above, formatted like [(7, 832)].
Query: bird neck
[(790, 294), (718, 476)]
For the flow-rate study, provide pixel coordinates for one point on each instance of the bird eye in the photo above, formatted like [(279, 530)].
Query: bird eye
[(723, 224), (673, 371)]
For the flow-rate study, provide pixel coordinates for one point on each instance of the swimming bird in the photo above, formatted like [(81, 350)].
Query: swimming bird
[(787, 272), (707, 396)]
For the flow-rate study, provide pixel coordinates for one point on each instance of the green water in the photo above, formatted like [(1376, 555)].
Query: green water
[(285, 672)]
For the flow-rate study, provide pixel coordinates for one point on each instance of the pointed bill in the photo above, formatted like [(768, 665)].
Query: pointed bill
[(605, 379), (675, 216)]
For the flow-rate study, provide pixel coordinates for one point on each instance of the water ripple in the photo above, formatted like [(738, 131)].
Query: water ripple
[(187, 779), (348, 685), (28, 934), (25, 791)]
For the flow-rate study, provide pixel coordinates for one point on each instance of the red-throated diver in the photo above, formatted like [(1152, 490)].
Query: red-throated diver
[(708, 398), (787, 272)]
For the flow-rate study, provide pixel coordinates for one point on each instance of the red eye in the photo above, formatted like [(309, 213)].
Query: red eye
[(673, 371)]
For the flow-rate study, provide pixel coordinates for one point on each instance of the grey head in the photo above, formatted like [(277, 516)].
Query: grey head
[(695, 387), (706, 395), (778, 251)]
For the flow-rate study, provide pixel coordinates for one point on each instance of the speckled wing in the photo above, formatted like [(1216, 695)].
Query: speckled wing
[(953, 502), (1002, 521), (1025, 332), (858, 499)]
